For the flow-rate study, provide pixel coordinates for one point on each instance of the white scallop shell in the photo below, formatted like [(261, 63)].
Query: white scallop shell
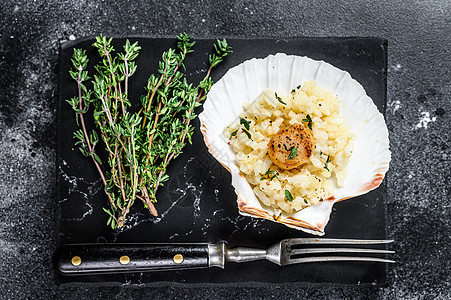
[(245, 82)]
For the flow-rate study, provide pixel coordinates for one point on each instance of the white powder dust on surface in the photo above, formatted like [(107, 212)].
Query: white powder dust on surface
[(425, 119), (394, 106), (395, 67)]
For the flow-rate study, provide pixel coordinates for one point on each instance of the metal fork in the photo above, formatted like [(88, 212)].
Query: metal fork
[(82, 259), (287, 252)]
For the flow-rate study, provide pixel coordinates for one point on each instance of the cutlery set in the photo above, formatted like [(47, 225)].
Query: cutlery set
[(84, 259)]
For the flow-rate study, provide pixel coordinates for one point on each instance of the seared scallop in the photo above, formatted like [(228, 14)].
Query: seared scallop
[(290, 147)]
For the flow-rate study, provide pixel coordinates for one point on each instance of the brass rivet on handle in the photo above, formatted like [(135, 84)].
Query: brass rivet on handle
[(178, 258), (124, 260), (76, 260)]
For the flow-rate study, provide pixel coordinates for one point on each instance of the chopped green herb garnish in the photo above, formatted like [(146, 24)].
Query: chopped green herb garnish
[(248, 134), (298, 87), (234, 133), (288, 195), (293, 153), (268, 174), (309, 121), (305, 200), (325, 165), (285, 146), (245, 123), (279, 99)]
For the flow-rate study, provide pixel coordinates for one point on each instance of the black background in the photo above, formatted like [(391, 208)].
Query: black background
[(417, 116)]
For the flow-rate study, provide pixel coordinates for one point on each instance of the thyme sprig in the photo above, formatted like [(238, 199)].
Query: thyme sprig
[(173, 111), (80, 104), (139, 145)]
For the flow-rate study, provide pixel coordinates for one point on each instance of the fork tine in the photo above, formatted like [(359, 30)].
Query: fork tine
[(336, 258), (290, 242), (333, 250)]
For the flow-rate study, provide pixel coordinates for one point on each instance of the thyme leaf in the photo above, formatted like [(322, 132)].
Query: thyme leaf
[(288, 195), (248, 134), (326, 163), (293, 153), (279, 99), (309, 121), (294, 90), (245, 123), (268, 174)]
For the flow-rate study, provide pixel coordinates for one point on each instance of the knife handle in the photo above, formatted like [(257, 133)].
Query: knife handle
[(85, 259)]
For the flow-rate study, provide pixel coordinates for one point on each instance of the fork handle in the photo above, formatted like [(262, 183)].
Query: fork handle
[(83, 259)]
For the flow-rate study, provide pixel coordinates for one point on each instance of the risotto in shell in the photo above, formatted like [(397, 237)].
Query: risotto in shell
[(293, 148)]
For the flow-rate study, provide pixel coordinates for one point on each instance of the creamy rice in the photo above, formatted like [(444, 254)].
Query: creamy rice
[(332, 147)]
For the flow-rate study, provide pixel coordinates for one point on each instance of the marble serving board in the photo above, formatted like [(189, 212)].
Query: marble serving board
[(197, 204)]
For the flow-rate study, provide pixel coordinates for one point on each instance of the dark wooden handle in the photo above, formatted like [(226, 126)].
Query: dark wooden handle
[(84, 259)]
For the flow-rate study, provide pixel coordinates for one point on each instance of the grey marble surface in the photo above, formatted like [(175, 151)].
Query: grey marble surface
[(418, 119)]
